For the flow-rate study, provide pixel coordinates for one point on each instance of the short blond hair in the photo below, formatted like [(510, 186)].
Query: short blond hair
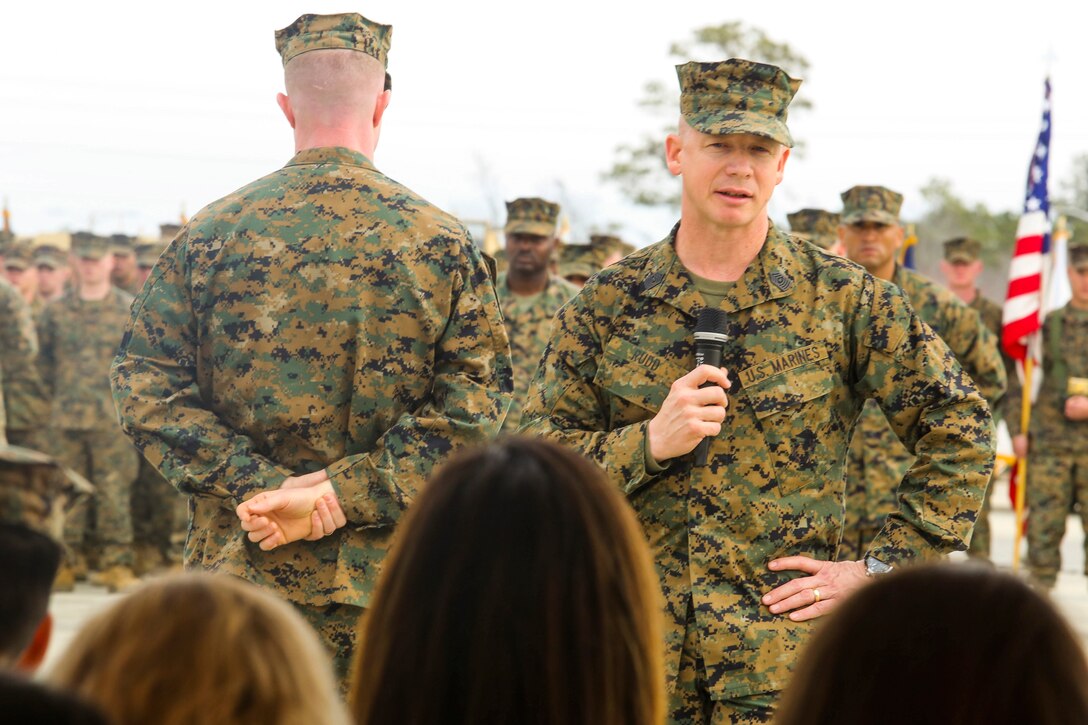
[(324, 84), (201, 648)]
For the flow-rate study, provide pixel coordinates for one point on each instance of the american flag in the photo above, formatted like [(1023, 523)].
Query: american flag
[(1029, 268)]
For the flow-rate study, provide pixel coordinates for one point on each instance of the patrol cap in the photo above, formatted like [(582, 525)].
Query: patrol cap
[(122, 244), (19, 254), (607, 245), (962, 249), (1078, 256), (344, 31), (578, 260), (815, 225), (148, 251), (737, 96), (871, 204), (90, 246), (532, 216), (167, 232), (51, 250), (36, 491)]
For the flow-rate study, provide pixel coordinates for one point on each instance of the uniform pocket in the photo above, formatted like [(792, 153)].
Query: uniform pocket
[(793, 410), (637, 381)]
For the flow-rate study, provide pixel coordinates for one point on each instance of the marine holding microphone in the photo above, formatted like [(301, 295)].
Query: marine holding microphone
[(745, 544)]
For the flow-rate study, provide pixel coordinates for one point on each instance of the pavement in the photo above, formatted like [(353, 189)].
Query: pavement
[(72, 609)]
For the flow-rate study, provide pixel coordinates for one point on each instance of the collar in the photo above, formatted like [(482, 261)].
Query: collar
[(330, 155), (771, 275)]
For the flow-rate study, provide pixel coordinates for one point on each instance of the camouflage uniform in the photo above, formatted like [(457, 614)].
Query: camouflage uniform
[(811, 337), (1058, 455), (322, 317), (78, 341), (528, 323), (528, 318), (877, 459), (24, 404), (815, 225)]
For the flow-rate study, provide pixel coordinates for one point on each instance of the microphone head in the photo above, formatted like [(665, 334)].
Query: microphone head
[(711, 320)]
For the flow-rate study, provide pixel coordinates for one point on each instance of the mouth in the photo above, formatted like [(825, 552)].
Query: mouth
[(730, 193)]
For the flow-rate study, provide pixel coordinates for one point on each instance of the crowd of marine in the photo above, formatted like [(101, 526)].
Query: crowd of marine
[(66, 299), (59, 346)]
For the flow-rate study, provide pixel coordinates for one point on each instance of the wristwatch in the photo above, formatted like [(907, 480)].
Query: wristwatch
[(875, 567)]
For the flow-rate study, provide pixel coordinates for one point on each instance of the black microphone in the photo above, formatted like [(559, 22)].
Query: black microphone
[(710, 338)]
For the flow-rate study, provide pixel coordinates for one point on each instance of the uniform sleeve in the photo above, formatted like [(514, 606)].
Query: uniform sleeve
[(976, 349), (470, 394), (25, 396), (938, 413), (1011, 401), (566, 406), (154, 379)]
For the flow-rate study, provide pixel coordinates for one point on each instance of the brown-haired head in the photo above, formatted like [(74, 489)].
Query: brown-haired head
[(520, 590), (201, 648), (948, 644)]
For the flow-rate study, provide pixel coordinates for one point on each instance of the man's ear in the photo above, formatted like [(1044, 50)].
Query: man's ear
[(285, 105), (379, 108), (781, 171), (673, 146)]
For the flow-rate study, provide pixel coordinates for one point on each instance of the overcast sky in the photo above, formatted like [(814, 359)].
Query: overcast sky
[(118, 115)]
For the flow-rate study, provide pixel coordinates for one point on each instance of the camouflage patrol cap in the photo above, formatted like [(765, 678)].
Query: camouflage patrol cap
[(1078, 256), (51, 250), (532, 216), (815, 225), (578, 260), (962, 249), (871, 204), (36, 491), (737, 96), (167, 232), (90, 246), (346, 31), (607, 246), (19, 254), (148, 251), (122, 244)]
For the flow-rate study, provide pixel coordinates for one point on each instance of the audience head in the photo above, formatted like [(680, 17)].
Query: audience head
[(29, 560), (941, 644), (23, 701), (201, 648), (520, 589)]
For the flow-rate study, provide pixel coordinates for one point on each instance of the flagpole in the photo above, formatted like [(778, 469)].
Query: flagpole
[(1022, 463)]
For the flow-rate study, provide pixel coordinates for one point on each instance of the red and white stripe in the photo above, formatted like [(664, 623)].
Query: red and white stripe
[(1024, 300)]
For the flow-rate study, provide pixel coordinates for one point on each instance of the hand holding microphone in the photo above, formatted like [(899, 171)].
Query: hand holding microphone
[(694, 409)]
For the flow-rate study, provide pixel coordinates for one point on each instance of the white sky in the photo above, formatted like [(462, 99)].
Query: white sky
[(116, 115)]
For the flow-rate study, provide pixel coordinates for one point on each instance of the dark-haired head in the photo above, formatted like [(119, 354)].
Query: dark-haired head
[(520, 590), (941, 644), (29, 560)]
